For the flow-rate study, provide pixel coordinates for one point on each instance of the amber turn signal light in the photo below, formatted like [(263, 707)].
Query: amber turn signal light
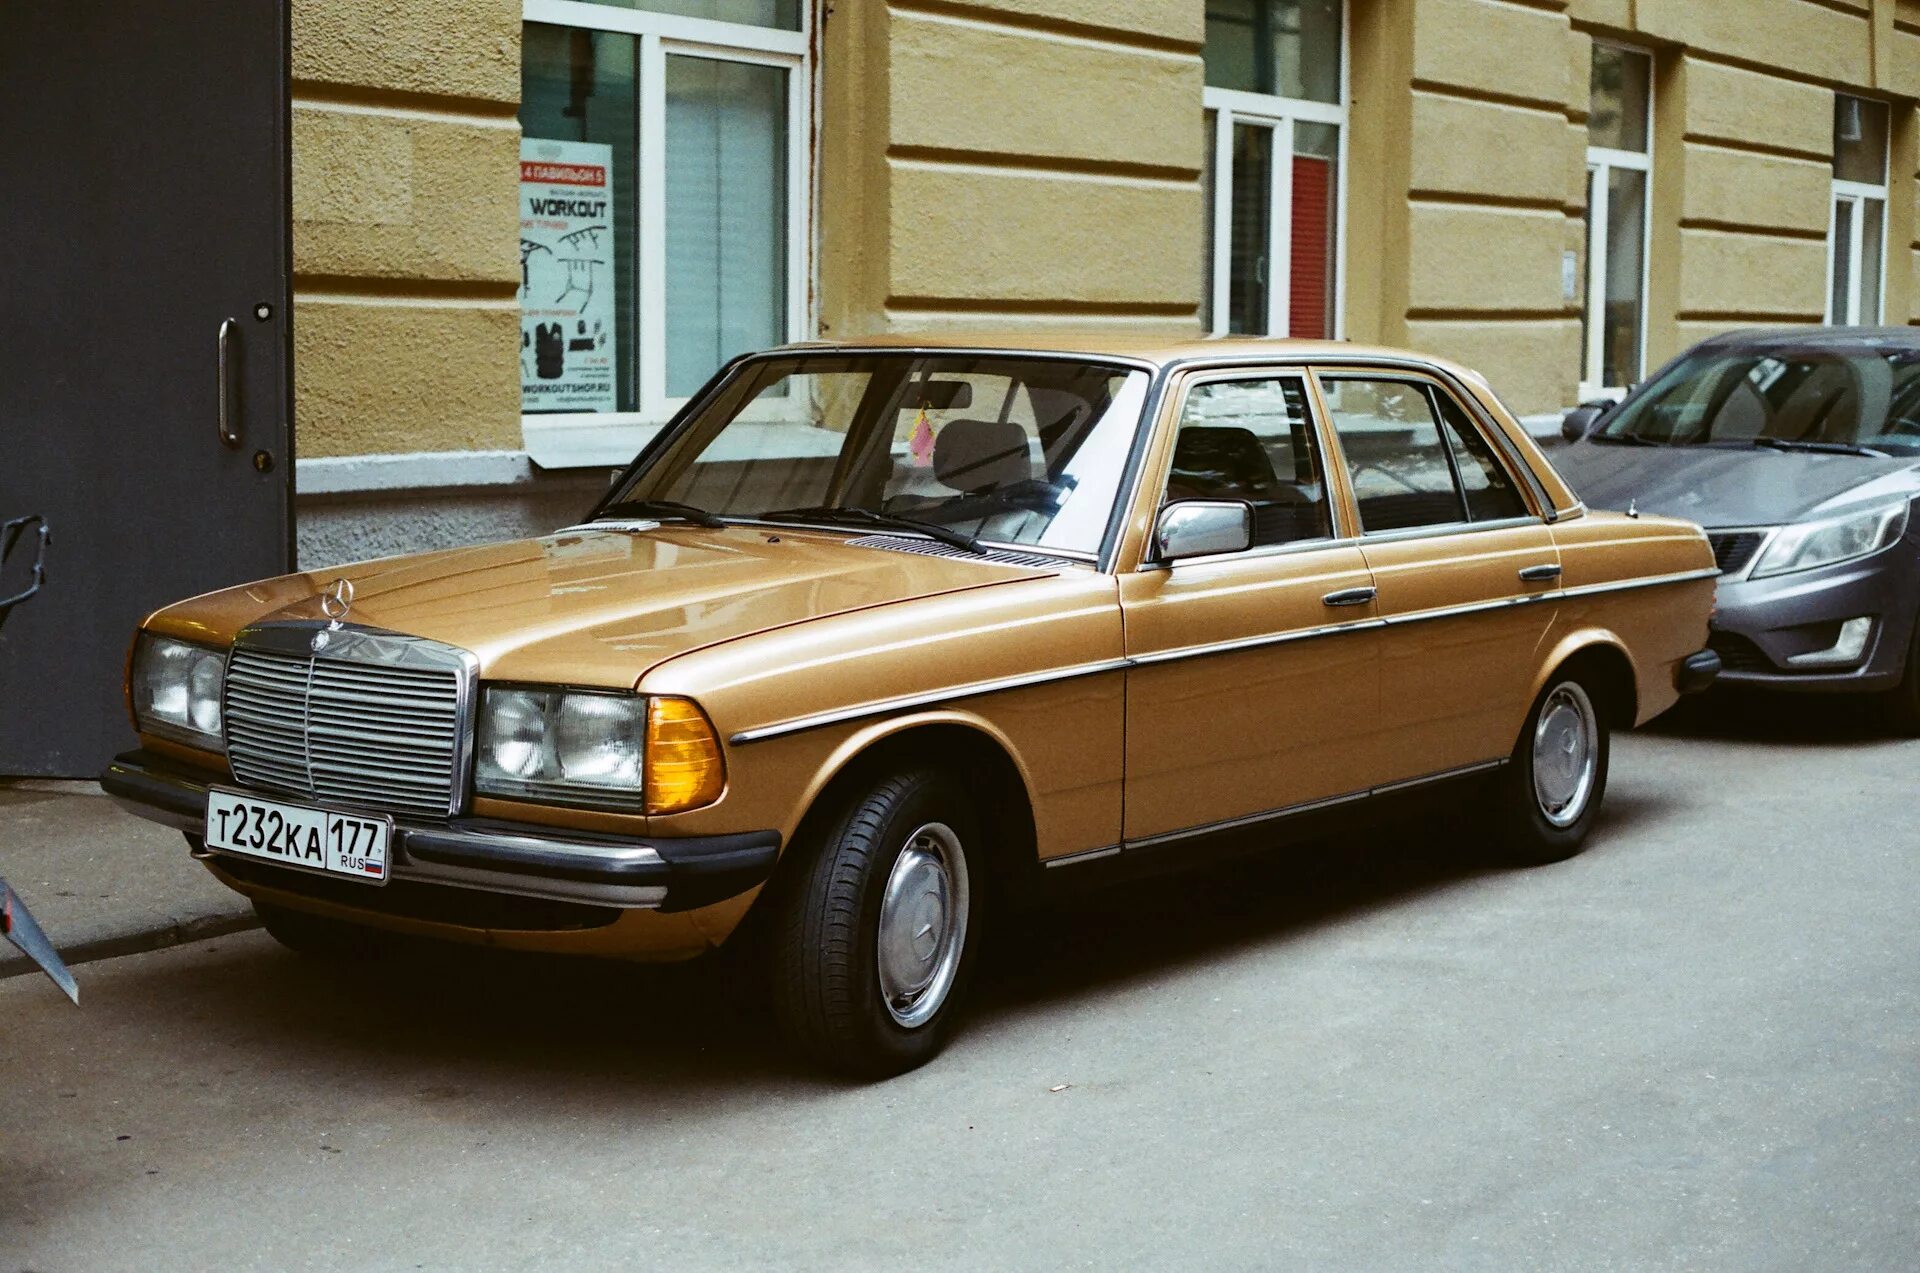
[(684, 766)]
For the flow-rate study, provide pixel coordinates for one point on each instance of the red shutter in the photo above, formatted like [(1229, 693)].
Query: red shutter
[(1311, 304)]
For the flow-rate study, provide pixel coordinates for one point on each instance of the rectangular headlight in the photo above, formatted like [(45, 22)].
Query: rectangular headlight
[(175, 690), (610, 750), (562, 745)]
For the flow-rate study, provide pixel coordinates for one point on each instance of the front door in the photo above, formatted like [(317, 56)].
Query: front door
[(143, 338), (1459, 558), (1254, 684)]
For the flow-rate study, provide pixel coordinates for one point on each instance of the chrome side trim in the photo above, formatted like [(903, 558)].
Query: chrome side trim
[(1458, 771), (1449, 528), (1090, 855), (1253, 642), (908, 701), (1471, 607), (1629, 585)]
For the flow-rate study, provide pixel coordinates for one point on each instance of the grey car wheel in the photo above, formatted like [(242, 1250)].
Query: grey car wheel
[(1544, 799), (874, 926)]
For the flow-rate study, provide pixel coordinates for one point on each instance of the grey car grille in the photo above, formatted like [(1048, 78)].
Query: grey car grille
[(1732, 550), (362, 733)]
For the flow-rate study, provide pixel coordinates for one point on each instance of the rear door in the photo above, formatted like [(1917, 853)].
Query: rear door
[(143, 337), (1464, 565)]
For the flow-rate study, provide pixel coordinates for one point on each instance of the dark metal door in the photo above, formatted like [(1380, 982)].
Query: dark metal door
[(143, 209)]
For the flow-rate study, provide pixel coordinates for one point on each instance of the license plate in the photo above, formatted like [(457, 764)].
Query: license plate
[(349, 844)]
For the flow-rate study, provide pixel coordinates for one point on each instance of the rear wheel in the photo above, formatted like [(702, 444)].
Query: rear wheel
[(1546, 797), (873, 935)]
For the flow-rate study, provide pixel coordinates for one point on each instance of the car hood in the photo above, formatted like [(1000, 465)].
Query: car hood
[(1718, 486), (601, 607)]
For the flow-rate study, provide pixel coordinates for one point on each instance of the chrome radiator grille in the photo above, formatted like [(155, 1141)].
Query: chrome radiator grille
[(363, 730)]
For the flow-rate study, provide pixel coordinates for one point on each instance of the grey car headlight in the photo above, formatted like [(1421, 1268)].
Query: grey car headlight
[(174, 687), (1835, 539), (562, 745)]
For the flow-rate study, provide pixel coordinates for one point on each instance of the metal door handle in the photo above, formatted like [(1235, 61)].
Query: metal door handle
[(1349, 597), (1540, 574), (229, 432)]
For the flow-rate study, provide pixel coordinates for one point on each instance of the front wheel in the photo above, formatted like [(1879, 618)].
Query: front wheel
[(1546, 797), (874, 934)]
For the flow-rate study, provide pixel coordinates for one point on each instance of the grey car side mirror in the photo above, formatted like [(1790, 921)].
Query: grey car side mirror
[(1202, 527), (1580, 421)]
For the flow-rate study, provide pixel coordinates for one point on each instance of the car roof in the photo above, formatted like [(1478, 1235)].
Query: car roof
[(1829, 338), (1160, 348)]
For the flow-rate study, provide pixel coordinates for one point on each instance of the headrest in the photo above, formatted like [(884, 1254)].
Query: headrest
[(1220, 453), (978, 455)]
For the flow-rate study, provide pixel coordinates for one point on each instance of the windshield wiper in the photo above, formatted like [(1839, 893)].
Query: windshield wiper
[(867, 517), (1624, 439), (660, 508), (1822, 448)]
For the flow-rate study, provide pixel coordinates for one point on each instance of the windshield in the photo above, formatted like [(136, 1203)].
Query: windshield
[(1796, 397), (998, 449)]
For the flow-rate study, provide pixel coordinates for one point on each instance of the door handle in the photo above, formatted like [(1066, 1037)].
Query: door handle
[(224, 416), (1544, 573), (1349, 597)]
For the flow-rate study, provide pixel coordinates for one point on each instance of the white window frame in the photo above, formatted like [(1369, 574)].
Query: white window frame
[(1601, 161), (1261, 110), (577, 439), (1853, 197)]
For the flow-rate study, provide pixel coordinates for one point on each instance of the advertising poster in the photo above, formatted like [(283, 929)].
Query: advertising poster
[(566, 276)]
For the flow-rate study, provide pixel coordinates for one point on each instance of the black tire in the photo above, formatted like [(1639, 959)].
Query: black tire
[(823, 936), (1524, 830), (1901, 704), (317, 936)]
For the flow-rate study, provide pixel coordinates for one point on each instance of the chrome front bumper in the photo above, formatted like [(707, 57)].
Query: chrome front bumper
[(660, 873)]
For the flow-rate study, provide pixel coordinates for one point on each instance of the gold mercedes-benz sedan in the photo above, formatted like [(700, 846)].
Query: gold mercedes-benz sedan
[(872, 640)]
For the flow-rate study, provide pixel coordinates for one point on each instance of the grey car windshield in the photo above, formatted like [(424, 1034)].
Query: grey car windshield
[(1813, 397), (1026, 451)]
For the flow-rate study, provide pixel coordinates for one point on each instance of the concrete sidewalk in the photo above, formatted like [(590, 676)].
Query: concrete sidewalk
[(100, 881)]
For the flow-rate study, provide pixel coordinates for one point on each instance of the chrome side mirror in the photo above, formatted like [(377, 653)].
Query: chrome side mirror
[(1202, 527)]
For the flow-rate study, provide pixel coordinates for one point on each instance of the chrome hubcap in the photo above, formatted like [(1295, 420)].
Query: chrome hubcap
[(1566, 754), (923, 924)]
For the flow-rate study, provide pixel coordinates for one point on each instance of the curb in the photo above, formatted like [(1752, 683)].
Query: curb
[(136, 943)]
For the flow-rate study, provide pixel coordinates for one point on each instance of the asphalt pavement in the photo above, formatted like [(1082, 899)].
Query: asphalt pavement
[(1696, 1046)]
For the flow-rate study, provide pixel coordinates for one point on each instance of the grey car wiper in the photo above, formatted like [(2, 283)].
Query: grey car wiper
[(661, 508), (867, 517), (1623, 439), (1822, 448)]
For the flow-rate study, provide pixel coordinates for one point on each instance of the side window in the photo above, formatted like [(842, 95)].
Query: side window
[(1254, 440), (1402, 473), (1489, 488)]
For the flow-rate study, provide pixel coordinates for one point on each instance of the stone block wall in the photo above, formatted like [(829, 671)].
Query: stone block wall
[(405, 206)]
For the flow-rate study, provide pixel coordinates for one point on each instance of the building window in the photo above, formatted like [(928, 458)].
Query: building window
[(662, 208), (1619, 172), (1275, 131), (1857, 243)]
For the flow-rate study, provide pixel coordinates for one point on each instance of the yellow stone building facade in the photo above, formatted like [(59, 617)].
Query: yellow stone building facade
[(1562, 193)]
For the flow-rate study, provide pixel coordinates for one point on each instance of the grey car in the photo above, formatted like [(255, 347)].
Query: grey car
[(1799, 451)]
